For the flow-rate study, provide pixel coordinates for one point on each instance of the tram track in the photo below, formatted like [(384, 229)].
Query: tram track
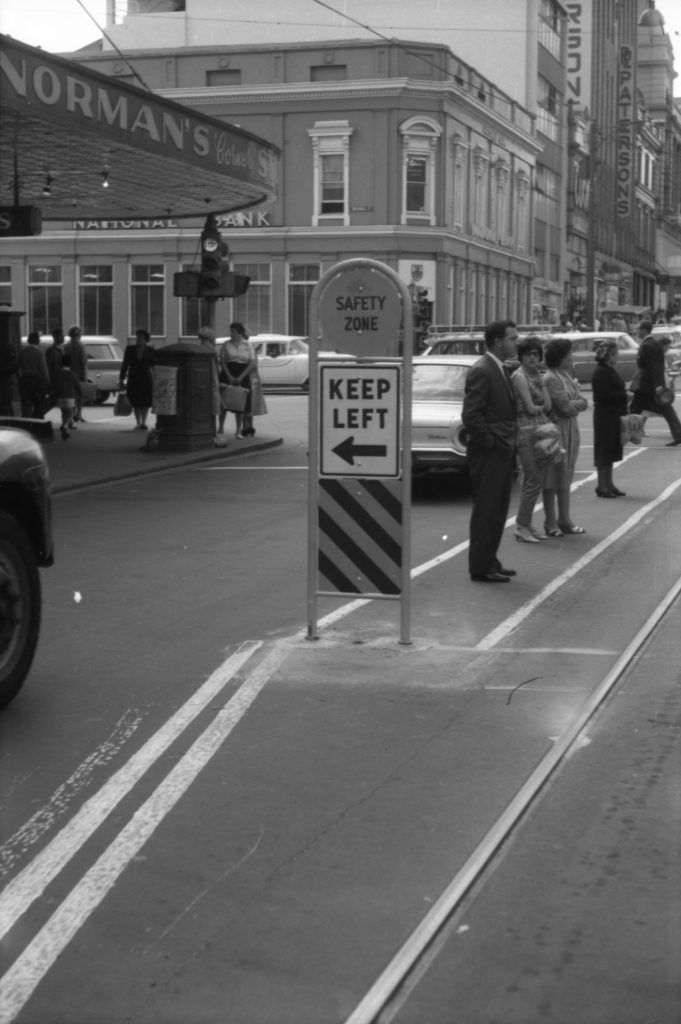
[(382, 1002)]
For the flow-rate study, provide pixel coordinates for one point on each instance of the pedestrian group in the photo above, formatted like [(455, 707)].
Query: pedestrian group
[(527, 418)]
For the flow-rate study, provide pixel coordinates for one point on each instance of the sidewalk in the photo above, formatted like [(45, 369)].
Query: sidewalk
[(100, 453)]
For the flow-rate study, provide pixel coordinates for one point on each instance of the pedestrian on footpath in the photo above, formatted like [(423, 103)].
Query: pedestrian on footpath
[(79, 359), (651, 387), (489, 416), (136, 376), (610, 404), (67, 393), (206, 337), (34, 380), (53, 356), (566, 405)]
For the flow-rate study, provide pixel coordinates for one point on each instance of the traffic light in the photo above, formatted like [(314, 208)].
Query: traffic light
[(213, 252), (235, 284)]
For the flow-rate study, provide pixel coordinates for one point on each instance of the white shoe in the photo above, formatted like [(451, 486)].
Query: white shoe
[(523, 534)]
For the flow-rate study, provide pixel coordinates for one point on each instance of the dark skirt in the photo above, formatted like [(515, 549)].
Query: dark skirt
[(607, 444)]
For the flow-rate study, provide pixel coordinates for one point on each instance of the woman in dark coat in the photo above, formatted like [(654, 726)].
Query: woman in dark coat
[(610, 403), (136, 376)]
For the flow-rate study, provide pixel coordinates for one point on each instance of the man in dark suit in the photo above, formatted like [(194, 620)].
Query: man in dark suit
[(489, 416), (652, 381)]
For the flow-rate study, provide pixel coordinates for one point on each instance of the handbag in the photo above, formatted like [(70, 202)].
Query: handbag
[(665, 396), (122, 406), (632, 428), (233, 398)]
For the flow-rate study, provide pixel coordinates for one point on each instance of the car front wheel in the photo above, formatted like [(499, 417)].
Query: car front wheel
[(20, 607)]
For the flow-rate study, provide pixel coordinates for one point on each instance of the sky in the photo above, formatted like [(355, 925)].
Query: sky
[(63, 25)]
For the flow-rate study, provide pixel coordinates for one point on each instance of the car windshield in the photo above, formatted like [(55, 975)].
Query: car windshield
[(105, 351), (438, 382), (456, 346)]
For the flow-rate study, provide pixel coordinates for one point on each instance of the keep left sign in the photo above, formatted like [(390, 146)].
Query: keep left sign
[(359, 415)]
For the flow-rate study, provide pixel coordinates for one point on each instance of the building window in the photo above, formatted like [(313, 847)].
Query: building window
[(419, 145), (302, 277), (417, 184), (147, 298), (549, 27), (95, 298), (5, 286), (44, 298), (331, 154), (254, 309), (549, 102)]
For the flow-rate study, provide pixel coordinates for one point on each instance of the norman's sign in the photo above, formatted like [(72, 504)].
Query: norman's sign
[(32, 81)]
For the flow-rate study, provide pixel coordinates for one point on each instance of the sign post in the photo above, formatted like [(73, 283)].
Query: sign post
[(359, 478)]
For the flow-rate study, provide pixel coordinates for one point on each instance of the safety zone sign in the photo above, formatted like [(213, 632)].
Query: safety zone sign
[(359, 416)]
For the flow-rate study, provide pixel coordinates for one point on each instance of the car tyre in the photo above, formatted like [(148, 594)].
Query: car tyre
[(20, 607), (101, 397)]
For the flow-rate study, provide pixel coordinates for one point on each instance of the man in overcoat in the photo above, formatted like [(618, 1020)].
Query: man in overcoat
[(652, 381), (489, 416)]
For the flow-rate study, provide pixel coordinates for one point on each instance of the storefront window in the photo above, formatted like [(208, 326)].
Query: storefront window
[(147, 297), (5, 286), (95, 299), (44, 298), (302, 277), (254, 309)]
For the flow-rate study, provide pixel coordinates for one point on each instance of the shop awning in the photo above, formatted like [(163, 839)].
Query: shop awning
[(79, 144)]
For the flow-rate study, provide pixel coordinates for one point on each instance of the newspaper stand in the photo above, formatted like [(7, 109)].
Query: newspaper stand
[(359, 477)]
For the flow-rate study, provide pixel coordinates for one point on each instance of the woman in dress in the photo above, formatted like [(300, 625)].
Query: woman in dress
[(136, 376), (566, 404), (236, 363), (533, 403), (610, 403)]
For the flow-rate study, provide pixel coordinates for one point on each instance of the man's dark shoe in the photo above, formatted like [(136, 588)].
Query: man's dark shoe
[(489, 577), (506, 572), (673, 444)]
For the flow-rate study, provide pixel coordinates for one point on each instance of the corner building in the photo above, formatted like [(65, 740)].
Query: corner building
[(397, 152)]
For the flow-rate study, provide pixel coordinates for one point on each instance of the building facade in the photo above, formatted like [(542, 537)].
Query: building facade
[(405, 155)]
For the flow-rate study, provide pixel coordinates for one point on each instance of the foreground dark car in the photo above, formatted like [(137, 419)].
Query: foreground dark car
[(25, 545)]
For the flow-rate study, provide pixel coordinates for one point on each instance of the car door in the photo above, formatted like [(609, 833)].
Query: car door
[(277, 365)]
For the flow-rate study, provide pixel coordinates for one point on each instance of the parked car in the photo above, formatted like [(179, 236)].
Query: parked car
[(438, 437), (584, 345), (455, 344), (105, 358), (25, 545), (283, 360)]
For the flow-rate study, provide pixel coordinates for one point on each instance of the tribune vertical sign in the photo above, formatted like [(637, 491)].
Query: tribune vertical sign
[(359, 514)]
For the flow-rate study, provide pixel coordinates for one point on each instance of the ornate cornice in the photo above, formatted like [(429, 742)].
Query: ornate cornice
[(367, 89)]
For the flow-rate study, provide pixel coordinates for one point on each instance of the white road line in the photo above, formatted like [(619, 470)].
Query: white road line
[(513, 621), (30, 883), (21, 979)]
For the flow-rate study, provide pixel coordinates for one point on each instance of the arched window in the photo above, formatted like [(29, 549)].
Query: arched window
[(420, 137)]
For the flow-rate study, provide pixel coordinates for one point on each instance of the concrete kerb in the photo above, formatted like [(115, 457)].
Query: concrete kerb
[(171, 462)]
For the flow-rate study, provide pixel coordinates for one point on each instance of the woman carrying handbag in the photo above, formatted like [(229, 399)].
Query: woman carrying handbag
[(236, 364)]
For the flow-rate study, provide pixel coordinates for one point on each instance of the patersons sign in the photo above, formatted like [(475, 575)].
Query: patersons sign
[(34, 82)]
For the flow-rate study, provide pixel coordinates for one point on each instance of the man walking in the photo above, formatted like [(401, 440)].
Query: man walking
[(489, 416), (651, 383)]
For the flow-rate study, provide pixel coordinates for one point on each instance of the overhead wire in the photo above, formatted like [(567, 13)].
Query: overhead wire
[(111, 43)]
